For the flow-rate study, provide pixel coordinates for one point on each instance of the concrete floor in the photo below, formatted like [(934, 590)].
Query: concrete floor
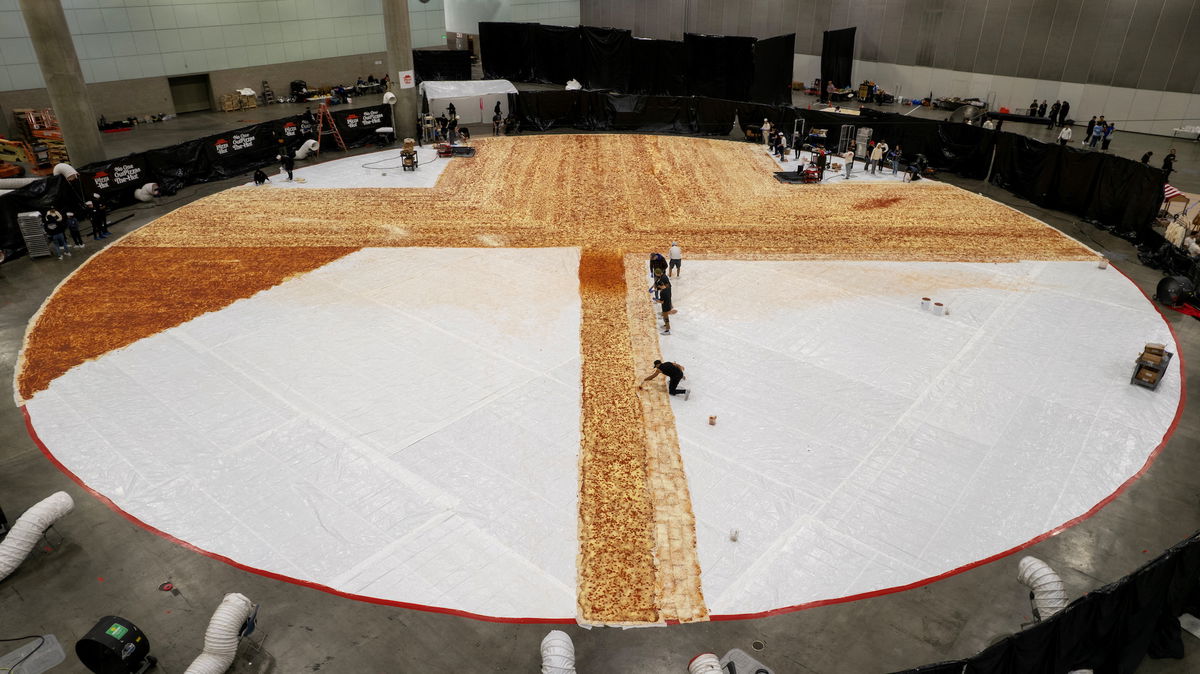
[(106, 565)]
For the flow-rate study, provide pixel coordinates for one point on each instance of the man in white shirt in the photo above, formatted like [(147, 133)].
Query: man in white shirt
[(1064, 136), (848, 156), (676, 260)]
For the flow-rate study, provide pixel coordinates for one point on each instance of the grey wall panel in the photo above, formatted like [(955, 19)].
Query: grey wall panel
[(1037, 34), (890, 34), (1058, 42), (988, 53), (910, 32), (839, 15), (1083, 42), (1109, 39), (1139, 33), (821, 12), (1012, 37), (1186, 67), (1169, 33), (967, 44), (945, 35)]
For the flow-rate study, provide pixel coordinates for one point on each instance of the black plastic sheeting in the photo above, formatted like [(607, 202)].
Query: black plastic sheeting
[(607, 57), (720, 66), (442, 64), (202, 160), (557, 54), (773, 70), (1109, 630), (837, 58)]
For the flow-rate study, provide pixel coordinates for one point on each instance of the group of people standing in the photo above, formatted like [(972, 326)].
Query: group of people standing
[(57, 227), (1098, 131), (1057, 115)]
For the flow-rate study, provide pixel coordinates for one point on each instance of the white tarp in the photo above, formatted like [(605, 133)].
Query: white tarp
[(863, 444), (401, 423), (474, 100)]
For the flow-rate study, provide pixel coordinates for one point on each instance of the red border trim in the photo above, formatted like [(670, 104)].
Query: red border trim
[(732, 616)]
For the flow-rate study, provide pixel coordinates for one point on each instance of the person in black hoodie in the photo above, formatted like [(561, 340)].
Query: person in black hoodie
[(1169, 163), (72, 223), (1063, 111), (99, 218), (287, 163), (56, 230)]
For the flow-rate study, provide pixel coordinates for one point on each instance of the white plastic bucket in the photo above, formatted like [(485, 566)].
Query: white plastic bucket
[(925, 301), (938, 309), (705, 663)]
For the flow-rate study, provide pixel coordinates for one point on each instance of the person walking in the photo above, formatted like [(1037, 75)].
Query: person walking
[(1042, 109), (676, 261), (287, 164), (848, 157), (1091, 126), (56, 229), (1064, 136), (1097, 134), (663, 286), (1053, 114), (1168, 164), (72, 223), (1107, 138), (1063, 111), (674, 374), (1146, 157), (894, 156), (99, 218)]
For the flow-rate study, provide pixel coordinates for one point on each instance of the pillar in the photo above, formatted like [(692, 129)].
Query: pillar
[(399, 59), (64, 80)]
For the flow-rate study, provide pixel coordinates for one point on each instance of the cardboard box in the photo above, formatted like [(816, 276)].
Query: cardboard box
[(1148, 374), (1156, 349)]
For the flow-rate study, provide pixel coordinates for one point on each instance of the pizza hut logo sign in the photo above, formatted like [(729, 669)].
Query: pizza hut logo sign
[(372, 118), (289, 129), (222, 146), (351, 121), (241, 141), (101, 180)]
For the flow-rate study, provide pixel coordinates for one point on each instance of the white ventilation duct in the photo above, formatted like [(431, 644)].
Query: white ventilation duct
[(29, 528), (146, 192), (558, 653), (1049, 595), (310, 146), (705, 663), (221, 637)]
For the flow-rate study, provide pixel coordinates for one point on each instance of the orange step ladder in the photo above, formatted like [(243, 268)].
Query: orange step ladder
[(324, 117)]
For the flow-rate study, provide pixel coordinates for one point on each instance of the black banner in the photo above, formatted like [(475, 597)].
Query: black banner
[(234, 152), (111, 178), (659, 67), (358, 127)]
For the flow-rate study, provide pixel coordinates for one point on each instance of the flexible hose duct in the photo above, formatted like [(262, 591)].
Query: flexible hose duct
[(1049, 596), (558, 653), (705, 663), (221, 637), (29, 528), (308, 147)]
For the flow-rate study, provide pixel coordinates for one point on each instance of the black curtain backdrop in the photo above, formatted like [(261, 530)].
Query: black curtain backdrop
[(607, 55), (556, 54), (837, 58), (442, 64), (507, 50), (659, 67), (720, 66), (773, 70)]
